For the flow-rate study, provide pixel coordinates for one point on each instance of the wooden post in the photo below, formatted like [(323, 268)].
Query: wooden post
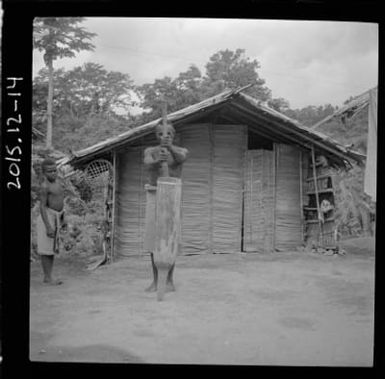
[(164, 111), (115, 176), (275, 168), (211, 187), (164, 166), (316, 191), (49, 104), (301, 196), (167, 233)]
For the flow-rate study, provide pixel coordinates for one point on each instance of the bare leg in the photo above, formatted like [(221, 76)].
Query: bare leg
[(170, 281), (154, 285), (47, 264), (163, 271)]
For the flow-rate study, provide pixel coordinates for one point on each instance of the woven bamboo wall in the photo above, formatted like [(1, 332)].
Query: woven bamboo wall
[(130, 202), (258, 234), (212, 181), (288, 230), (196, 189), (229, 145)]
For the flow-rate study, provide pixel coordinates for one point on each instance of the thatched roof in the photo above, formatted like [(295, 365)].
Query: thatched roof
[(236, 107)]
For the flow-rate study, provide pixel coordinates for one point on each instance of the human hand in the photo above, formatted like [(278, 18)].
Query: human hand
[(64, 226), (166, 142), (163, 155), (50, 232)]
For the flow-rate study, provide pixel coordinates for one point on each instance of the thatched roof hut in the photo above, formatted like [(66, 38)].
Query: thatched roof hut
[(242, 184)]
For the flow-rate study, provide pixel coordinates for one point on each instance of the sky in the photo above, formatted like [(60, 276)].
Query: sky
[(304, 62)]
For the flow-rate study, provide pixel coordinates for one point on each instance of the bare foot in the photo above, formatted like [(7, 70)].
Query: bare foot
[(170, 287), (152, 288), (53, 282)]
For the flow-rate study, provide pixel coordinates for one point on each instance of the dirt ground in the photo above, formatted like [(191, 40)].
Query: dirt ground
[(287, 308)]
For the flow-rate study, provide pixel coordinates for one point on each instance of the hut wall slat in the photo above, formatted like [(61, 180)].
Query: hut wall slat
[(196, 189), (130, 198), (227, 182), (288, 213), (259, 201)]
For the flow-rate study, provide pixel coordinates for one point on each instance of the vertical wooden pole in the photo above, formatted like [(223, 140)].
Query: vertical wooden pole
[(49, 104), (114, 175), (244, 181), (275, 168), (165, 172), (251, 198), (164, 111), (301, 194), (316, 191), (261, 201), (211, 186)]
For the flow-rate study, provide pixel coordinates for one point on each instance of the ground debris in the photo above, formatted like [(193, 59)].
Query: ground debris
[(328, 251)]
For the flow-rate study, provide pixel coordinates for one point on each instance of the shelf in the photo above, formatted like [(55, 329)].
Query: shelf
[(327, 190), (317, 164), (319, 177), (316, 221), (314, 209)]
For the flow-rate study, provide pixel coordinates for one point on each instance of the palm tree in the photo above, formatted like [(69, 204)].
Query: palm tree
[(58, 37)]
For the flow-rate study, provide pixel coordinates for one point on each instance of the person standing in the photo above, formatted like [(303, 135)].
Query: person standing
[(154, 157), (50, 219)]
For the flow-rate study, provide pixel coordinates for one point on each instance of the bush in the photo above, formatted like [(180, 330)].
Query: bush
[(83, 235), (355, 210)]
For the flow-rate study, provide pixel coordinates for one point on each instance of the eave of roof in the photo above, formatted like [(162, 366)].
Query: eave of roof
[(132, 134), (282, 124), (304, 133)]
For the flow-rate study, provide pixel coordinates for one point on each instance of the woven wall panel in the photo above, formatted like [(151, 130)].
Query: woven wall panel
[(130, 201), (196, 189), (259, 201), (288, 232), (229, 144), (212, 181)]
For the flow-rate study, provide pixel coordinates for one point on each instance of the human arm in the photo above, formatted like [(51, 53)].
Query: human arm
[(43, 211), (154, 162), (179, 153)]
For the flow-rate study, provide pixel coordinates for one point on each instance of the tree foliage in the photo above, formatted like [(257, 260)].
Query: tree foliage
[(89, 104), (232, 69), (311, 114), (58, 37), (85, 90), (225, 69), (178, 93)]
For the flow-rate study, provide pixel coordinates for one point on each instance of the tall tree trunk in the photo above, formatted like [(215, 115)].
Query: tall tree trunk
[(49, 104)]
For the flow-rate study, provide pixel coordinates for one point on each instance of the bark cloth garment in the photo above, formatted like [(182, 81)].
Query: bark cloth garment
[(150, 220), (45, 244)]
